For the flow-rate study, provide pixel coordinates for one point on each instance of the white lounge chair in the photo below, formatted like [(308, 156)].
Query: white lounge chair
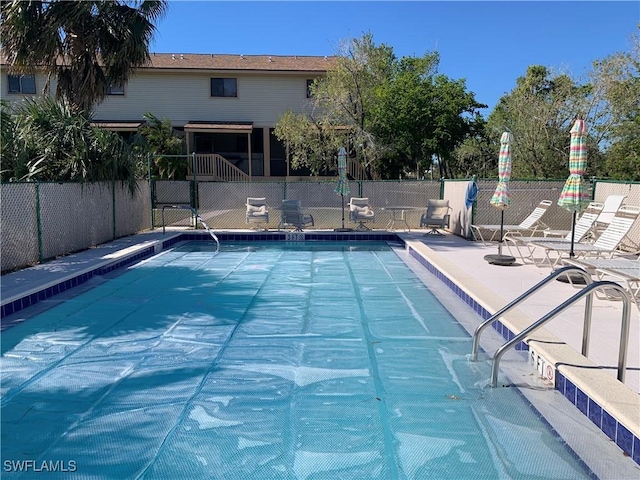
[(361, 212), (531, 224), (257, 211), (605, 246), (621, 270), (293, 216), (437, 216), (609, 208), (583, 229)]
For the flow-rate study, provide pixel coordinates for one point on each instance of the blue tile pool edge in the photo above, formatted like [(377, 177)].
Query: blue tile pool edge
[(610, 426)]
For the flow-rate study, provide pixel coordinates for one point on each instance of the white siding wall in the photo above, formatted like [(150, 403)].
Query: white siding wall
[(16, 97), (183, 97), (186, 96)]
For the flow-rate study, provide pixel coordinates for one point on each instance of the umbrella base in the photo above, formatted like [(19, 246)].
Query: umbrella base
[(497, 259), (572, 279)]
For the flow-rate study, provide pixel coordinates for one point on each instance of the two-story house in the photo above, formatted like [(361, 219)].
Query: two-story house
[(227, 105)]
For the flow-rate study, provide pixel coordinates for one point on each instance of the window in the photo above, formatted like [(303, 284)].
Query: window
[(21, 83), (115, 88), (309, 84), (224, 87)]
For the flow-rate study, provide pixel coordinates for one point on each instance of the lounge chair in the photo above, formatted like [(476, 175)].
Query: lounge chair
[(257, 211), (531, 224), (583, 228), (609, 208), (360, 212), (605, 246), (293, 216), (622, 270), (437, 216)]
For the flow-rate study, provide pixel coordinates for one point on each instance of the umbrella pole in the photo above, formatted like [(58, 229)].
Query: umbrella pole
[(342, 197), (501, 232), (573, 234)]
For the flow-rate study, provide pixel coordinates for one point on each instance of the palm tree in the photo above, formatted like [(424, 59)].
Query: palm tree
[(51, 143), (86, 45)]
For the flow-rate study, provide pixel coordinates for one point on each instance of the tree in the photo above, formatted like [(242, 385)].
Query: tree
[(157, 137), (346, 96), (86, 45), (539, 112), (52, 143), (310, 143), (614, 109), (397, 114)]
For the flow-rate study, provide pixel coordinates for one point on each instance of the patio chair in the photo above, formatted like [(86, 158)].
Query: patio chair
[(531, 224), (257, 211), (437, 216), (609, 208), (293, 216), (624, 271), (583, 229), (605, 246), (360, 212)]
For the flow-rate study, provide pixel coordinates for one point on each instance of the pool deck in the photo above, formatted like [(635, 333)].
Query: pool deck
[(558, 343)]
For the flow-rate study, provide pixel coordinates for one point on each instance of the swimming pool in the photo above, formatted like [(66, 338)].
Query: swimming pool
[(296, 360)]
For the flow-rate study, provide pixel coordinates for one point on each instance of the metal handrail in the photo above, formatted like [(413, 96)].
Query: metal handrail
[(588, 290), (197, 218), (555, 274)]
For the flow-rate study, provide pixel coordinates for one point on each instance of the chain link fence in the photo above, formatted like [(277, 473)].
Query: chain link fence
[(222, 204), (45, 220)]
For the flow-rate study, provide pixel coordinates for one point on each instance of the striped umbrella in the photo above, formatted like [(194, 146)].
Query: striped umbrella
[(342, 188), (574, 196), (501, 199)]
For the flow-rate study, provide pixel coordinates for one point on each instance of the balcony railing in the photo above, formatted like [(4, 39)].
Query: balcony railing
[(215, 167)]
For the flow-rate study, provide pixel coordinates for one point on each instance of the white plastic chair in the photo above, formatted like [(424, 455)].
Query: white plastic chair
[(360, 212), (257, 211)]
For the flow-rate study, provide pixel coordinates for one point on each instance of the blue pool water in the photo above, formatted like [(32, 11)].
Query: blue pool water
[(284, 361)]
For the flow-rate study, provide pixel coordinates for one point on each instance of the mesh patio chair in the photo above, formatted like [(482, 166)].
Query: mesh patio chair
[(293, 216), (437, 216)]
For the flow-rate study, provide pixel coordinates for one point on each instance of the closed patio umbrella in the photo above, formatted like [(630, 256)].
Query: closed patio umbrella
[(500, 198), (574, 196), (342, 188)]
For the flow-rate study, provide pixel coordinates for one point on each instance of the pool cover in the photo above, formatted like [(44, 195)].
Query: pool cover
[(262, 363)]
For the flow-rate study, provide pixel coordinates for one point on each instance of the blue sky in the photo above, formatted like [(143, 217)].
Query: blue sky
[(489, 44)]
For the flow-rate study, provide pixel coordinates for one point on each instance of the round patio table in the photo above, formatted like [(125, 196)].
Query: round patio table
[(395, 210)]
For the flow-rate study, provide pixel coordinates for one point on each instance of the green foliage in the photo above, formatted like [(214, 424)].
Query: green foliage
[(397, 114), (310, 144), (101, 41), (157, 137), (53, 143)]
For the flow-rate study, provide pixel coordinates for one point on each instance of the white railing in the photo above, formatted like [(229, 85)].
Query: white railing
[(216, 167)]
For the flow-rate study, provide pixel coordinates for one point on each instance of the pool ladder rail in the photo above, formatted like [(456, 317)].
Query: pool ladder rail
[(197, 218), (587, 291)]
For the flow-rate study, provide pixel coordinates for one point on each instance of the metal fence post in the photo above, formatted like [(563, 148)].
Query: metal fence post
[(113, 206), (153, 220), (39, 223), (194, 197)]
